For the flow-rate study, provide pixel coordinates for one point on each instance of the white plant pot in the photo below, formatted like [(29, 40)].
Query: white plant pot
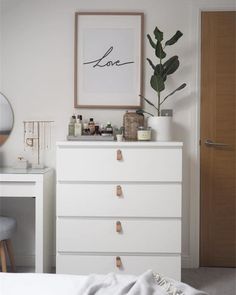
[(161, 128)]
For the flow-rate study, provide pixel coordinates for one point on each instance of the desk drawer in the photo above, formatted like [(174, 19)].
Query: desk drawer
[(136, 164), (134, 265), (100, 235), (135, 200), (17, 189)]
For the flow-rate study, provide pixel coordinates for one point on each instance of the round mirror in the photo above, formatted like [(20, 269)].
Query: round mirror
[(6, 118)]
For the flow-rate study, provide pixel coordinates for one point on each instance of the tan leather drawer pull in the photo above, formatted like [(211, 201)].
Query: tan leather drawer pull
[(118, 155), (118, 262), (118, 227), (118, 191)]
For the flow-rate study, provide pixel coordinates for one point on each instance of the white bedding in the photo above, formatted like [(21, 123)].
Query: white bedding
[(111, 284)]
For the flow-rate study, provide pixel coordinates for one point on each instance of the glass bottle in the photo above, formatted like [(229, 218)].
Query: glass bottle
[(71, 126), (109, 129), (78, 127), (85, 129), (97, 131), (102, 129), (91, 126)]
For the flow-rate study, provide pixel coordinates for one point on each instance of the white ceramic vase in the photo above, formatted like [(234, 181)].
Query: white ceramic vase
[(161, 128)]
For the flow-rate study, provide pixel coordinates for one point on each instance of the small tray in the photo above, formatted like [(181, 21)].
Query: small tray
[(91, 138)]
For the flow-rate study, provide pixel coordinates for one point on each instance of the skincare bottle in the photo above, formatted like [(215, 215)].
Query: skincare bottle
[(109, 129), (91, 126), (82, 125), (97, 131), (71, 126), (78, 127), (85, 129), (102, 129)]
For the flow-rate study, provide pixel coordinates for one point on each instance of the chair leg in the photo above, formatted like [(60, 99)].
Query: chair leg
[(10, 254), (3, 257)]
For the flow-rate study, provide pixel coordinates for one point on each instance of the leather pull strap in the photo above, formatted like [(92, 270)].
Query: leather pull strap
[(118, 155), (118, 191), (118, 227), (118, 262)]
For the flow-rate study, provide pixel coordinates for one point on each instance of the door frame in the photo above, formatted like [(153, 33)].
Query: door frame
[(197, 8)]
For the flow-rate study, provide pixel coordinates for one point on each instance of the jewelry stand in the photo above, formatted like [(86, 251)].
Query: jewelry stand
[(37, 137)]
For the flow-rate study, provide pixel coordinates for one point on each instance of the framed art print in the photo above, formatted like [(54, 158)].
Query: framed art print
[(108, 60)]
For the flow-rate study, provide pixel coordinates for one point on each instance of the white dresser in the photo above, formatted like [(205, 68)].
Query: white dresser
[(119, 207)]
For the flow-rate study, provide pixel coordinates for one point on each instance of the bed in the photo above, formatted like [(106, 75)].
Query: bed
[(148, 283)]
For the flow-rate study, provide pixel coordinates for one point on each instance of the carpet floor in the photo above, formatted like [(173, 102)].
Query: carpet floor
[(214, 281)]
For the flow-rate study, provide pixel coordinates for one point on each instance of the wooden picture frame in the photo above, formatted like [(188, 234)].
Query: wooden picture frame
[(108, 60)]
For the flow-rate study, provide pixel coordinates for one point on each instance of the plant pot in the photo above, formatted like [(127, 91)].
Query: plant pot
[(161, 128)]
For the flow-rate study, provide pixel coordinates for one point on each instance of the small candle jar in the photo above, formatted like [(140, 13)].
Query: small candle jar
[(144, 134)]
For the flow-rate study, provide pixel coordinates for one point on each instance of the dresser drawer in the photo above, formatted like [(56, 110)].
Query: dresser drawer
[(124, 200), (100, 235), (135, 265), (136, 164)]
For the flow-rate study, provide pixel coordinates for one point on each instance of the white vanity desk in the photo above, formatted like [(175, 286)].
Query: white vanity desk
[(37, 183)]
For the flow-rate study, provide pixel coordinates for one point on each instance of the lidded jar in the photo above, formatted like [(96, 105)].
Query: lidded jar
[(144, 134)]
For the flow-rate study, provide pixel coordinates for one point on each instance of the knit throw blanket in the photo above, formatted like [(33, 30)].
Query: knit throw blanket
[(148, 283)]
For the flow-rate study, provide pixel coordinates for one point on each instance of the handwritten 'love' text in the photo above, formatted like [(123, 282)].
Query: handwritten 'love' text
[(102, 62)]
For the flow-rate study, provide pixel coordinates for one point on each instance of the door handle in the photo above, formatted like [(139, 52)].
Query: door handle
[(209, 142)]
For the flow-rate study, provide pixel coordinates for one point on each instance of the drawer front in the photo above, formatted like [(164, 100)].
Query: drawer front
[(17, 189), (100, 235), (137, 164), (84, 265), (124, 200)]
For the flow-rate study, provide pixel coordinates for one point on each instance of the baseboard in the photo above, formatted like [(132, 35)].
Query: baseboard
[(29, 260), (186, 261)]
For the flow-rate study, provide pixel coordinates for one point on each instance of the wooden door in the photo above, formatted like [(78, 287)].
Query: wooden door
[(218, 139)]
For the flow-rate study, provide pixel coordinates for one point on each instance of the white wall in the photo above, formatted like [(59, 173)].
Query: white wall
[(37, 74)]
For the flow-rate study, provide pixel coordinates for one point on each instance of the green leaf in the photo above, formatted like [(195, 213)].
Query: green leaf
[(182, 86), (151, 64), (174, 39), (159, 69), (153, 44), (158, 34), (170, 60), (159, 50), (148, 101), (157, 83), (141, 112), (171, 65)]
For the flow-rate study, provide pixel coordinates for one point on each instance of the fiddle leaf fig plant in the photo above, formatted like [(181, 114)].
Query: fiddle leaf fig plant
[(162, 68)]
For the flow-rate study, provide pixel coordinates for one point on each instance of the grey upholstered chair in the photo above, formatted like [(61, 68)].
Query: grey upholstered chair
[(7, 228)]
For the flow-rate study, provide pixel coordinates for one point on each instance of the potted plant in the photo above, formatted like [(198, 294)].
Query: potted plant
[(119, 132), (161, 70)]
